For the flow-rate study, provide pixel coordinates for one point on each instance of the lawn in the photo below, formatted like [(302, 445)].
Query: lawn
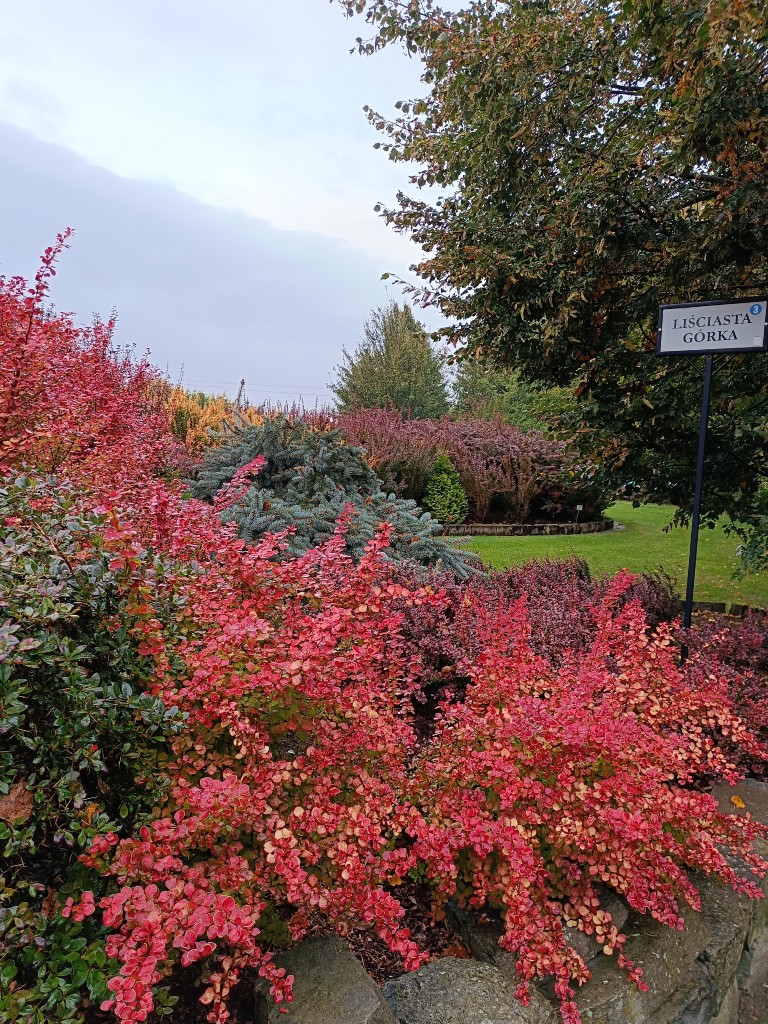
[(642, 545)]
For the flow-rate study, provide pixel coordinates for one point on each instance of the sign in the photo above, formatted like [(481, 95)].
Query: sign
[(704, 328), (696, 328)]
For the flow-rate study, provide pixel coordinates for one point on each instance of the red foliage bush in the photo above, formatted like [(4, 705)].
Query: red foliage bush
[(738, 653), (559, 779), (401, 452), (68, 399), (301, 791), (560, 596), (500, 467)]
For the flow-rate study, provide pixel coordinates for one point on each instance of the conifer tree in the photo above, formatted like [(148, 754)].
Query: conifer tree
[(445, 497), (393, 366), (309, 477)]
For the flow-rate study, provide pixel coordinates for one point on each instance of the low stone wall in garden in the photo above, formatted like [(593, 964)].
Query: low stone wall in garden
[(736, 611), (714, 972), (525, 529)]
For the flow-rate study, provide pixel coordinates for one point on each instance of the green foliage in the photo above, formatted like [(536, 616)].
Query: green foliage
[(393, 366), (644, 543), (445, 497), (310, 476), (753, 531), (592, 159), (486, 392), (82, 747)]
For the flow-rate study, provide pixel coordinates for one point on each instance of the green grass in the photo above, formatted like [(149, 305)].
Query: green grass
[(643, 545)]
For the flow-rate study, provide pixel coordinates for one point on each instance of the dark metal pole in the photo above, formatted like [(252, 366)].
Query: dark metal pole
[(697, 502)]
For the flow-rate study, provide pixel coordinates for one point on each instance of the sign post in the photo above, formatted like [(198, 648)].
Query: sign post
[(707, 328)]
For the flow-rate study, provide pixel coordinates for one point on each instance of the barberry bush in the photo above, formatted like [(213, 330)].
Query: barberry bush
[(291, 789), (507, 474), (303, 793), (738, 652), (70, 400)]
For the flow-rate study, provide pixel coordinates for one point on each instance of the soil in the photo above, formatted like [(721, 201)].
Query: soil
[(189, 1010)]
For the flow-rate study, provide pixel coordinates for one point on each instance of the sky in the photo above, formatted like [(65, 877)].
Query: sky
[(219, 173)]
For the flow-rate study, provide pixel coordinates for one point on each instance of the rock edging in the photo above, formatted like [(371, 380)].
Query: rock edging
[(736, 611), (525, 529)]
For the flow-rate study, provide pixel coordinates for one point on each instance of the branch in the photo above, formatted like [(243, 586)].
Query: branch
[(714, 179)]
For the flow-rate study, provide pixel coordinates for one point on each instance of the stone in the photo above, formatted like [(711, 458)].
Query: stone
[(482, 935), (754, 796), (667, 958), (729, 1011), (451, 991), (331, 987), (586, 945), (753, 983), (526, 529), (727, 917)]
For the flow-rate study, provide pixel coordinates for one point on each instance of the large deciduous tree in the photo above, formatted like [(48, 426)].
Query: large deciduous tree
[(587, 160), (394, 365)]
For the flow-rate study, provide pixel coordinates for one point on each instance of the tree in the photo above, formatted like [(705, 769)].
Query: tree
[(394, 365), (595, 159), (485, 392), (305, 481), (445, 497)]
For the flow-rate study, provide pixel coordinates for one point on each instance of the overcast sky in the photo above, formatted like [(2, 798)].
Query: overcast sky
[(218, 170)]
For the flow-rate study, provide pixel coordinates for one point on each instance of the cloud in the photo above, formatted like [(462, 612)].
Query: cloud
[(216, 291), (243, 105), (41, 109)]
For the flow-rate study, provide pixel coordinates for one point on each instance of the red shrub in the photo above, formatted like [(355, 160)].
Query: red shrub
[(500, 467), (738, 653), (288, 796), (301, 791), (559, 595), (68, 400), (540, 783), (401, 452)]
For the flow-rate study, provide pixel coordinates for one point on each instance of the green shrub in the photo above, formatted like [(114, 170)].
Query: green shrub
[(445, 497), (81, 746)]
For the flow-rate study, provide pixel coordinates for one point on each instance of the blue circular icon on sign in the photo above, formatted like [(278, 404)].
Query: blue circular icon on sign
[(756, 309)]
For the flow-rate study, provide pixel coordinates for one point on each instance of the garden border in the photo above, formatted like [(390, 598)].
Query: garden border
[(525, 529), (736, 611)]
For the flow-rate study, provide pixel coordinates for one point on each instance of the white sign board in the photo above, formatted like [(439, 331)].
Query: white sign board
[(695, 328)]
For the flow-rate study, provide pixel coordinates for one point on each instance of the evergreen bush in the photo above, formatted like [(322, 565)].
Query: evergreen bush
[(445, 497), (82, 745), (308, 479)]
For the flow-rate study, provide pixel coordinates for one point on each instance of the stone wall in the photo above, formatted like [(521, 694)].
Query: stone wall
[(713, 972), (525, 529)]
